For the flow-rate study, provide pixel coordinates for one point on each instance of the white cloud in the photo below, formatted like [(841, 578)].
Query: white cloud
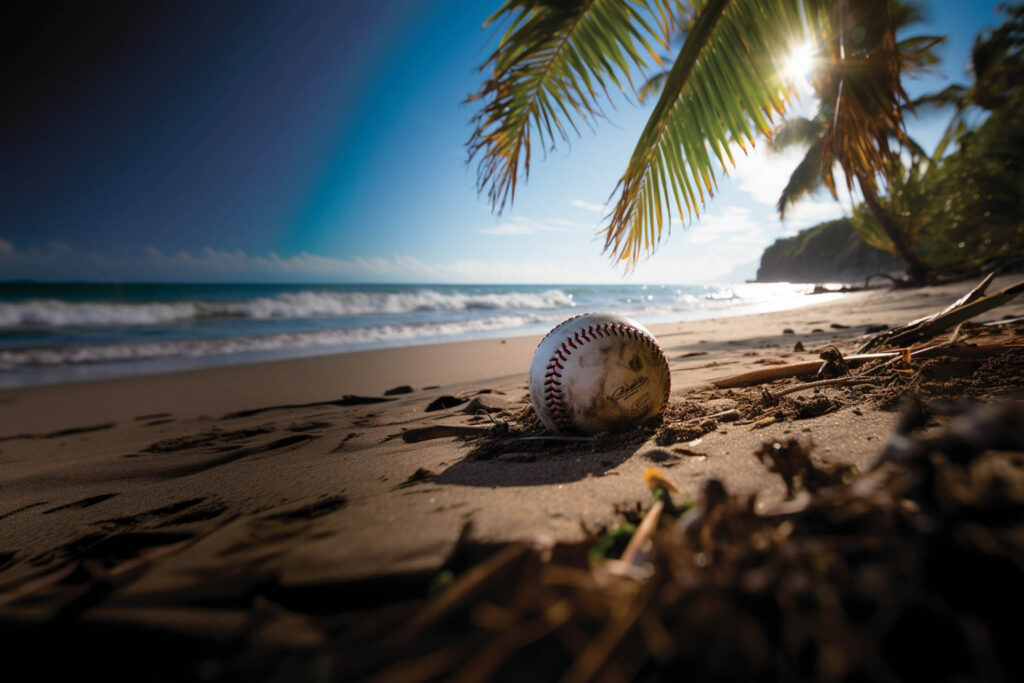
[(509, 229), (732, 224), (807, 213), (589, 206), (570, 224), (763, 173), (212, 265), (521, 225)]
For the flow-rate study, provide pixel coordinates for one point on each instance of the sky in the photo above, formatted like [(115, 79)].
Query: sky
[(324, 141)]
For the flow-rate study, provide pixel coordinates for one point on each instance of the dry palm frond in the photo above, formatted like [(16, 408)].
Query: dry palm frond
[(551, 69)]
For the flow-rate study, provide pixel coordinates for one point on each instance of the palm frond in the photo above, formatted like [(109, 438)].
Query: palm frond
[(917, 52), (723, 88), (798, 131), (552, 68), (950, 96), (805, 178), (866, 89), (653, 85)]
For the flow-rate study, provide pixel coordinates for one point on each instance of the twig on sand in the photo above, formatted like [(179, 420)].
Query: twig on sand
[(731, 413), (854, 379)]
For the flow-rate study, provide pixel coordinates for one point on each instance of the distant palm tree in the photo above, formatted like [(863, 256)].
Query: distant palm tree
[(819, 162), (557, 60)]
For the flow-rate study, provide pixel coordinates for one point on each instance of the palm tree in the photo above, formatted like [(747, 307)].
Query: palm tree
[(819, 162), (558, 59)]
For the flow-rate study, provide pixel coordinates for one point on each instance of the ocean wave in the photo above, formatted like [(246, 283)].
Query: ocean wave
[(304, 304), (355, 337)]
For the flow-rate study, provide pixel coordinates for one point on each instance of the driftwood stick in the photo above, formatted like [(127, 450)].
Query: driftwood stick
[(972, 304), (808, 367)]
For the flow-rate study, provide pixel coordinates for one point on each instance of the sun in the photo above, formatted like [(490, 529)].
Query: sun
[(800, 63)]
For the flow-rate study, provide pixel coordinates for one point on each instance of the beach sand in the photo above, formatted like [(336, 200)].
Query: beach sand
[(200, 499)]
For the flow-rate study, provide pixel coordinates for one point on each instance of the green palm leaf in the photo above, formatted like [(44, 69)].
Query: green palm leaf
[(552, 68), (724, 88)]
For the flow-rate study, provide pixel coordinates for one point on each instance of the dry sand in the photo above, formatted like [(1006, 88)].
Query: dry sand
[(206, 487)]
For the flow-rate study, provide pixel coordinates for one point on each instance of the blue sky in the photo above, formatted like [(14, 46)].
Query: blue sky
[(324, 141)]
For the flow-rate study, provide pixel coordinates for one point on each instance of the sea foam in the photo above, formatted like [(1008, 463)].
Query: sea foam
[(359, 337), (303, 304)]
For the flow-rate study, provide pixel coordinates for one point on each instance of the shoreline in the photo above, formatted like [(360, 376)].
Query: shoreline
[(100, 370), (301, 379)]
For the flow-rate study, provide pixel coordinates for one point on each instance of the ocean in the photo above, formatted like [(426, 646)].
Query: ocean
[(55, 333)]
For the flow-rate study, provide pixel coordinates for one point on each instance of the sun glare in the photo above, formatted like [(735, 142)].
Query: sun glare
[(801, 61)]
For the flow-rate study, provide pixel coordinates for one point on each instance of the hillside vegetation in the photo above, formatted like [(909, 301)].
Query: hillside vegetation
[(828, 252)]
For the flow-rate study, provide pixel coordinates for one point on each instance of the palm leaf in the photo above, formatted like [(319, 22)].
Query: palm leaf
[(865, 87), (798, 131), (805, 178), (724, 88), (552, 68), (653, 85)]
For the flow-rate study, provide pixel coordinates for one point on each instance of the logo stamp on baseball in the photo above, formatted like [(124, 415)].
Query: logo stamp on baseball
[(596, 372)]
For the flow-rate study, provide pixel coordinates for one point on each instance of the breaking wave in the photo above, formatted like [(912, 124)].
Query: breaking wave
[(305, 304), (190, 348)]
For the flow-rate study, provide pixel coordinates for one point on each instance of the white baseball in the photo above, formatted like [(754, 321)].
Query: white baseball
[(598, 371)]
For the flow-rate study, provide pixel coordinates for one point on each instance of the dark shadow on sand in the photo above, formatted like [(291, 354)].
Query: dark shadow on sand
[(534, 468)]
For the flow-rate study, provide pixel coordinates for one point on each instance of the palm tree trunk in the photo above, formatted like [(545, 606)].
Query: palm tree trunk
[(916, 269)]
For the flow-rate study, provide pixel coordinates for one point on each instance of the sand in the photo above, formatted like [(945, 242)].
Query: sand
[(289, 481)]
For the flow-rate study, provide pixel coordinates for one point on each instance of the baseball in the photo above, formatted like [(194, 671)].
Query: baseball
[(598, 371)]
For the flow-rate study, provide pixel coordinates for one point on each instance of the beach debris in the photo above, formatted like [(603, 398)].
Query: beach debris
[(346, 400), (972, 304), (654, 479), (823, 383), (441, 431), (798, 347), (791, 460), (421, 476), (834, 365), (486, 404), (924, 548), (597, 372), (639, 546), (445, 402), (612, 543), (788, 330), (403, 389)]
